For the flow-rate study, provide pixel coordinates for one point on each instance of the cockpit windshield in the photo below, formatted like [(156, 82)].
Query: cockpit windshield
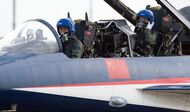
[(178, 4), (34, 36), (183, 6)]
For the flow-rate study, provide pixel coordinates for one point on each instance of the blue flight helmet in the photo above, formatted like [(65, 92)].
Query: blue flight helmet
[(148, 14), (66, 22)]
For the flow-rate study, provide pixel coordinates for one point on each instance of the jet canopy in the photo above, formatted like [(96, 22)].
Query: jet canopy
[(33, 36)]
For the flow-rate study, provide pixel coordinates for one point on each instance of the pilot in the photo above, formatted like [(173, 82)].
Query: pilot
[(146, 36), (72, 47)]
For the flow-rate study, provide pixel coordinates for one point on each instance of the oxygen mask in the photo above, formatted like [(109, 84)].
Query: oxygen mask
[(64, 36), (140, 26)]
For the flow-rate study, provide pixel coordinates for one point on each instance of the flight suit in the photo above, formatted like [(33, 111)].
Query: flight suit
[(150, 38), (145, 42), (73, 47)]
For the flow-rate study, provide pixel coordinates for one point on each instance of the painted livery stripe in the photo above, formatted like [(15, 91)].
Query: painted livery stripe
[(117, 68), (154, 81)]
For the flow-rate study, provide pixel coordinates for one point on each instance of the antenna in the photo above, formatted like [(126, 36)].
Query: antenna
[(68, 15), (86, 17)]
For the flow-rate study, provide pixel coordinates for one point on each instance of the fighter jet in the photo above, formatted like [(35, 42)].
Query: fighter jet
[(35, 76)]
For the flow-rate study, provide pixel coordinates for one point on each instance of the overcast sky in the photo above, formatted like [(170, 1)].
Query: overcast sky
[(52, 10)]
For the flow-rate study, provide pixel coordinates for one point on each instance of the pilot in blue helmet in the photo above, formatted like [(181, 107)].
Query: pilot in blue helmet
[(72, 47), (146, 36)]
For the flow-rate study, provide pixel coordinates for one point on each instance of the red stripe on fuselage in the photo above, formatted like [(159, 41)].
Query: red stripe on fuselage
[(117, 68), (151, 81), (154, 81)]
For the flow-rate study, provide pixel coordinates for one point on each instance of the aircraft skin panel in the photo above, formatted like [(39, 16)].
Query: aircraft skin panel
[(51, 71), (33, 102), (133, 95), (56, 69)]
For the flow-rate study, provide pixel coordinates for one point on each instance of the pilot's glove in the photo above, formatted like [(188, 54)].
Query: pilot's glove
[(150, 25)]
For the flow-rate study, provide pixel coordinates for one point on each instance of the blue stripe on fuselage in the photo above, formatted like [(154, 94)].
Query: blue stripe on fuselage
[(56, 69), (40, 102)]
